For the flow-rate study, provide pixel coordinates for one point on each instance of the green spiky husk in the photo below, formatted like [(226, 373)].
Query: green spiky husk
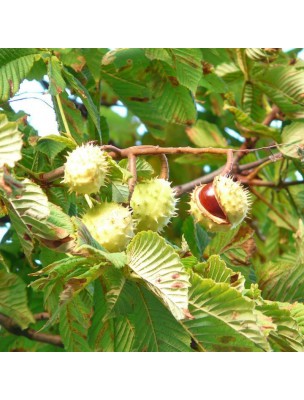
[(86, 169), (153, 203), (111, 225)]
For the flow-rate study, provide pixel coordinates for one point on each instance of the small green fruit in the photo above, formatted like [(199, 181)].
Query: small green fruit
[(111, 225), (153, 203), (220, 205), (86, 169)]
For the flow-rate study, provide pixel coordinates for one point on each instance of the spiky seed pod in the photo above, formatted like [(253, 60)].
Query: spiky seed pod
[(220, 205), (86, 169), (111, 225), (153, 203)]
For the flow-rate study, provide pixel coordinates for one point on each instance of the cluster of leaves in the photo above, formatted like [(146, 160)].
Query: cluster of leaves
[(184, 290)]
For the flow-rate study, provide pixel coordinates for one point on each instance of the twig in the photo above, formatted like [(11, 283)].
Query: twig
[(31, 334), (52, 175), (258, 182), (132, 169), (187, 187), (229, 164), (164, 170), (260, 197)]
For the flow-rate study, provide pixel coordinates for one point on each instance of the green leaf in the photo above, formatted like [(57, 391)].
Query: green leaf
[(213, 83), (152, 322), (50, 148), (57, 83), (88, 245), (215, 268), (74, 323), (281, 280), (251, 128), (150, 89), (85, 96), (224, 320), (196, 237), (284, 85), (187, 63), (143, 168), (266, 55), (160, 267), (15, 64), (13, 299), (205, 134), (10, 142), (287, 336), (101, 332), (293, 140), (24, 209)]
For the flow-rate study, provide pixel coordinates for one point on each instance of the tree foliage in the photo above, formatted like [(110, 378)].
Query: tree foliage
[(183, 288)]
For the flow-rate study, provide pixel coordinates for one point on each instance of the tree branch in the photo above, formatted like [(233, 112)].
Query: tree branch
[(31, 334)]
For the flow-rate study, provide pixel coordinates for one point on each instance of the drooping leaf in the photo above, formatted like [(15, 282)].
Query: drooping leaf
[(205, 134), (83, 93), (284, 86), (13, 299), (287, 336), (10, 142), (75, 322), (215, 268), (265, 55), (250, 127), (224, 320), (196, 237), (159, 266), (57, 83), (293, 140), (143, 168), (15, 64), (152, 322), (149, 88), (281, 280)]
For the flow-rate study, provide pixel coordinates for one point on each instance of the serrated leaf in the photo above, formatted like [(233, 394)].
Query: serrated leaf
[(57, 83), (13, 299), (281, 280), (215, 268), (187, 63), (224, 320), (101, 333), (50, 148), (74, 323), (152, 322), (205, 134), (251, 128), (284, 85), (87, 101), (160, 267), (293, 140), (15, 64), (150, 89), (10, 142), (287, 336), (143, 168), (196, 237), (266, 55), (88, 245)]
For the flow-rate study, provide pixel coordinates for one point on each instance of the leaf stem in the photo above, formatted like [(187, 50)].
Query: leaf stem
[(65, 123)]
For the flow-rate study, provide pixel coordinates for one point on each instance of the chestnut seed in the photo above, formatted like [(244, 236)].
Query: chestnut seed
[(209, 202)]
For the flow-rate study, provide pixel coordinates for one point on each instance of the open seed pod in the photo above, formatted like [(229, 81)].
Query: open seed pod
[(220, 205)]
